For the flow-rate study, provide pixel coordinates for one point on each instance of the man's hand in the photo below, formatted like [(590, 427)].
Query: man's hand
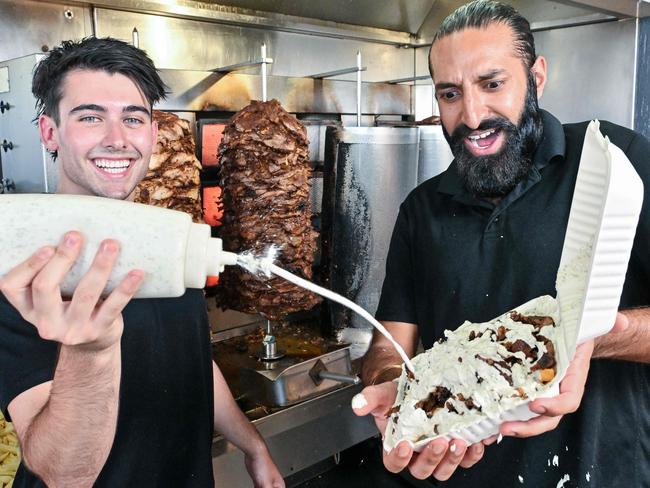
[(572, 388), (263, 470), (551, 410), (439, 458), (85, 321)]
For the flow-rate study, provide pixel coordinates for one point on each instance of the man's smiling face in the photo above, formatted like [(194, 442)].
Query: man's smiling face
[(104, 137), (488, 106)]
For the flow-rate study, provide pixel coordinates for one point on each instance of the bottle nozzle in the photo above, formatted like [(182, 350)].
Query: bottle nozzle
[(218, 258), (229, 258)]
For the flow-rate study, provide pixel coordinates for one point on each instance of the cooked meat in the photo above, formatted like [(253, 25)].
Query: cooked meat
[(436, 399), (173, 178), (265, 177), (535, 320)]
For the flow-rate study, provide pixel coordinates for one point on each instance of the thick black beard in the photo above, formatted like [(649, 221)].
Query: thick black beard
[(497, 174)]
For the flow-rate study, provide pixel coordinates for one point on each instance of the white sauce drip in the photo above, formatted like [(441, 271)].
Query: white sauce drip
[(565, 478)]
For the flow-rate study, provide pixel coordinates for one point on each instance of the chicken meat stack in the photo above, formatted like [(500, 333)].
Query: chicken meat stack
[(173, 179), (265, 177)]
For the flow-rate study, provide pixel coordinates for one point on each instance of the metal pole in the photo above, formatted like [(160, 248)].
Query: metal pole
[(136, 38), (358, 88), (93, 22), (264, 72)]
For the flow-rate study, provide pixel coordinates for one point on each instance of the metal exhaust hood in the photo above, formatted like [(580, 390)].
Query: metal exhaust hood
[(399, 22)]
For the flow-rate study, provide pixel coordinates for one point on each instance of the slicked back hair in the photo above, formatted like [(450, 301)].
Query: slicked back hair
[(480, 14), (93, 53)]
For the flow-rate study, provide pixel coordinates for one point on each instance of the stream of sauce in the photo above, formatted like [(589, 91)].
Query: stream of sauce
[(265, 265)]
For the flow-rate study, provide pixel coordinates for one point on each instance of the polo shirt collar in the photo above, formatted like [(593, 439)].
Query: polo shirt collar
[(552, 145)]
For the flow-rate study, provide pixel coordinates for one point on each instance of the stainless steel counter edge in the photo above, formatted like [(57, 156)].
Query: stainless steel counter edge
[(298, 436)]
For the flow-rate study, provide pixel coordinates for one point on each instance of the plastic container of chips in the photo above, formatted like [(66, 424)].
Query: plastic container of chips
[(602, 223)]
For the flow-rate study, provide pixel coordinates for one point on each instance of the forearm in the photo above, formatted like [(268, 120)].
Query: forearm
[(632, 344), (381, 363), (68, 441), (230, 421)]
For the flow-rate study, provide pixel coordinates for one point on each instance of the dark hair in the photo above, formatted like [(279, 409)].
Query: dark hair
[(92, 53), (479, 14)]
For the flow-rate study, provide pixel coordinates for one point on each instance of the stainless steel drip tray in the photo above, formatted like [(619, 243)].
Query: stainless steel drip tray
[(281, 385), (312, 366)]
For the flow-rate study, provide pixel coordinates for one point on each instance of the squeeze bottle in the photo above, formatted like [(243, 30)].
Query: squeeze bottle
[(174, 252)]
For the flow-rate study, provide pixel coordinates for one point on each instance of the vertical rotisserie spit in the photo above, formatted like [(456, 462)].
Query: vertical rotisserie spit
[(173, 179), (265, 177)]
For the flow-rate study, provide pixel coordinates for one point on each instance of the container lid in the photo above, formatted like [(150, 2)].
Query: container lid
[(602, 223)]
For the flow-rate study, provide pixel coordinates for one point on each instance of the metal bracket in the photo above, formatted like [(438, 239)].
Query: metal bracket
[(7, 145), (250, 64), (357, 69), (408, 79), (314, 372), (338, 72), (319, 372), (4, 106)]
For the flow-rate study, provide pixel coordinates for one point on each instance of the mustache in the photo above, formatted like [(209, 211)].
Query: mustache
[(462, 131)]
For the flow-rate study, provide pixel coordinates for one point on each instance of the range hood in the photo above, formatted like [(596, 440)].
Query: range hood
[(400, 22)]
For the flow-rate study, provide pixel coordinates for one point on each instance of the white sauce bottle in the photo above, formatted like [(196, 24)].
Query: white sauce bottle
[(174, 252)]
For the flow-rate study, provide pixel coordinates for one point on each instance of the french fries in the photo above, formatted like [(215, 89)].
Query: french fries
[(9, 453)]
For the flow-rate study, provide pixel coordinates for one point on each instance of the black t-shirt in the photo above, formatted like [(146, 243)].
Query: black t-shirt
[(454, 258), (165, 419)]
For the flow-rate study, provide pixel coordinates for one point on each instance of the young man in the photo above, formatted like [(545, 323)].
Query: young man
[(109, 392), (486, 236)]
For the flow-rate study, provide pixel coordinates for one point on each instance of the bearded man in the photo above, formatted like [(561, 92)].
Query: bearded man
[(486, 236)]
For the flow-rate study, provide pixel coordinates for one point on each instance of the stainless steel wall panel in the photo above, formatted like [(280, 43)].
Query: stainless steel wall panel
[(203, 90), (542, 14), (27, 26), (190, 44), (590, 71)]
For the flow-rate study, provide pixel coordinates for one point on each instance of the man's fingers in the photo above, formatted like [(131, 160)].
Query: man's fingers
[(397, 459), (490, 440), (530, 428), (46, 291), (52, 274), (375, 400), (112, 307), (451, 460), (15, 284), (572, 386), (422, 465), (91, 285), (473, 455)]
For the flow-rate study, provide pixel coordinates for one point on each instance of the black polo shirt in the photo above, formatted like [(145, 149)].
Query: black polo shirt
[(454, 257)]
